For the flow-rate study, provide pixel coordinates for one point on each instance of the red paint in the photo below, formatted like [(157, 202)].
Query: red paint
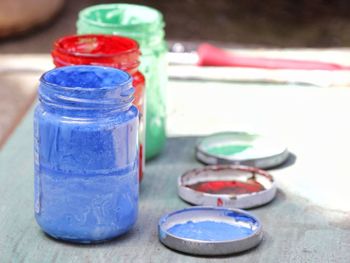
[(119, 52), (105, 50), (219, 202), (228, 187)]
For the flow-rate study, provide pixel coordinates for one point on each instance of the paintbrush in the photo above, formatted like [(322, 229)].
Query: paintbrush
[(209, 55), (215, 64)]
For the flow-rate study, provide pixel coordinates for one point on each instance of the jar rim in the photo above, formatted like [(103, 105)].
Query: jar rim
[(86, 88), (58, 45), (45, 81), (86, 12)]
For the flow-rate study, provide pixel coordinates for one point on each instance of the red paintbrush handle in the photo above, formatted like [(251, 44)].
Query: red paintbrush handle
[(212, 56)]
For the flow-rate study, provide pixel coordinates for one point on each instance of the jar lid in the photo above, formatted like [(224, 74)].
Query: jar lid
[(231, 186), (241, 148), (210, 230)]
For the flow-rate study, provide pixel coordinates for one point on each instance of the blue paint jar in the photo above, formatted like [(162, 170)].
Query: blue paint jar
[(86, 154)]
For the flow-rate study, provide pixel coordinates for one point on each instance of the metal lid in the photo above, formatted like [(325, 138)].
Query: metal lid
[(210, 230), (232, 186), (241, 148)]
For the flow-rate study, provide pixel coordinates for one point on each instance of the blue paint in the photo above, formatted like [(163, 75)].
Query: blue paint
[(86, 154), (213, 230)]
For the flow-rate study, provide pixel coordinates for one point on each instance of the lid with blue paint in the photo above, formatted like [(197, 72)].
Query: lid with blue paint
[(241, 148), (210, 231)]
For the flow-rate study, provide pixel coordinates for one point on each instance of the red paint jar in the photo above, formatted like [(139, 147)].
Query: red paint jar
[(111, 51)]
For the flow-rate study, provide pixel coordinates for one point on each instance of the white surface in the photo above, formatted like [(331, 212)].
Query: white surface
[(313, 122)]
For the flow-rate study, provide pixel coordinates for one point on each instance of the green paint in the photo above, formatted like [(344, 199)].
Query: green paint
[(142, 23), (228, 150)]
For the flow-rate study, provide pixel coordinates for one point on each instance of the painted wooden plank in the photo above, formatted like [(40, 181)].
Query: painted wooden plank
[(17, 94), (19, 76), (300, 225)]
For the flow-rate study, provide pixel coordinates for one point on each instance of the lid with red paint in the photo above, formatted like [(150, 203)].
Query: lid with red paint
[(232, 186)]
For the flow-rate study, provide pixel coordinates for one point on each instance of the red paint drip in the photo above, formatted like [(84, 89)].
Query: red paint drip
[(219, 202), (228, 187)]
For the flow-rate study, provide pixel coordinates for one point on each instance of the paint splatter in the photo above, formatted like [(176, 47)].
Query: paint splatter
[(219, 202)]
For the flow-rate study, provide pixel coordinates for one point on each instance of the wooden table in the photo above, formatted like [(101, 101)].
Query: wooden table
[(309, 221)]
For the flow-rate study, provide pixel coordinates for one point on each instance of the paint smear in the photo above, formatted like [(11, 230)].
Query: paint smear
[(228, 150), (212, 231), (228, 187)]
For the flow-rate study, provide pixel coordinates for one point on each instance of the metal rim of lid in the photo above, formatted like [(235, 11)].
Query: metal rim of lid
[(202, 247), (243, 201), (266, 162)]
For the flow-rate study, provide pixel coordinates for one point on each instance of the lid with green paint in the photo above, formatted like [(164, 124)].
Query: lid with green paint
[(241, 148)]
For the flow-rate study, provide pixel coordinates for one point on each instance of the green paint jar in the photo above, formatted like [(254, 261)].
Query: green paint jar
[(146, 26)]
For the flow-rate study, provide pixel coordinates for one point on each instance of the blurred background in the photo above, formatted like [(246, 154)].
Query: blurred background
[(32, 25), (29, 27)]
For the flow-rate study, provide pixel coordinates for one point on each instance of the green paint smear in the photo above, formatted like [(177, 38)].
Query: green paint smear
[(228, 149)]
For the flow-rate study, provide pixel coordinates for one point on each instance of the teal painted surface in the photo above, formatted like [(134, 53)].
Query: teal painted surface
[(295, 229)]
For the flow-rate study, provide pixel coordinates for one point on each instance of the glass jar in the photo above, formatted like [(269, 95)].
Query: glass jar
[(106, 50), (146, 26), (86, 154)]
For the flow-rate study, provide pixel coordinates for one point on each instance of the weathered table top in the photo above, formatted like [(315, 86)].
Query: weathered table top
[(309, 221)]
